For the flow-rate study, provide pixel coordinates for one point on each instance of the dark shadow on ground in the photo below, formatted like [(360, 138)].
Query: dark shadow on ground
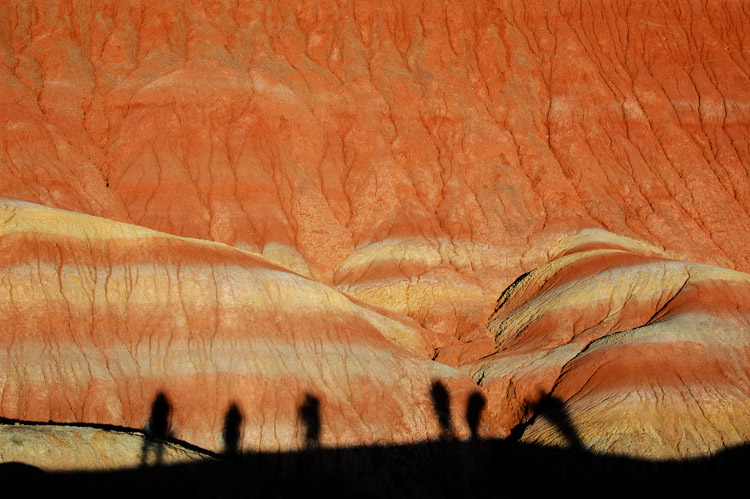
[(439, 468), (488, 468)]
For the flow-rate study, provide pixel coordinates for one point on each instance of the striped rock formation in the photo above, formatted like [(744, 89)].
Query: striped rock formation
[(617, 348), (261, 201), (417, 155), (100, 317), (71, 448), (85, 461)]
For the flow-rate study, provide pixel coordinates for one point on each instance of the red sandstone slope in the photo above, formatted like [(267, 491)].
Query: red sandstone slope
[(639, 354), (101, 316), (416, 154)]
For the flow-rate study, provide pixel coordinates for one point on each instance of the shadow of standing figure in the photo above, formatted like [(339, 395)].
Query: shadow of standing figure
[(441, 403), (232, 432), (309, 413), (156, 430), (553, 409), (474, 407)]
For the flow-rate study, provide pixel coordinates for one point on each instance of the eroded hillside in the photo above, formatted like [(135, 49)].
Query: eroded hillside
[(278, 204)]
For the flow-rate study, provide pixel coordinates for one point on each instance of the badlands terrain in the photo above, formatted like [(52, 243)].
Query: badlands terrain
[(415, 247)]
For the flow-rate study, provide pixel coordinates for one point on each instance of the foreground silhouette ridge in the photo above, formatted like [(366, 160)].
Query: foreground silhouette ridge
[(437, 468)]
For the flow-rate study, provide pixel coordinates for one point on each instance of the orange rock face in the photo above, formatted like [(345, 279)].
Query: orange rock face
[(332, 195), (102, 316), (641, 354), (418, 156)]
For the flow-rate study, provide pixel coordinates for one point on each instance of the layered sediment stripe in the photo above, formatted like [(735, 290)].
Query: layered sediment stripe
[(656, 424), (515, 383), (591, 239), (689, 348), (411, 255), (76, 448), (432, 280), (679, 387), (565, 273), (143, 266), (573, 258), (178, 357), (440, 300), (580, 257), (206, 299), (360, 389), (591, 327), (102, 319), (616, 298)]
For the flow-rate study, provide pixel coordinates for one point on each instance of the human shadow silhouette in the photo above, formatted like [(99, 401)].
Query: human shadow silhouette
[(441, 404), (553, 409), (156, 430), (474, 407), (309, 414), (232, 431), (485, 467)]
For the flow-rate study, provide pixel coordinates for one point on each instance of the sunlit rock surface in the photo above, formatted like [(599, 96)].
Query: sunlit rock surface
[(618, 349), (100, 317), (70, 448), (267, 200), (419, 155)]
